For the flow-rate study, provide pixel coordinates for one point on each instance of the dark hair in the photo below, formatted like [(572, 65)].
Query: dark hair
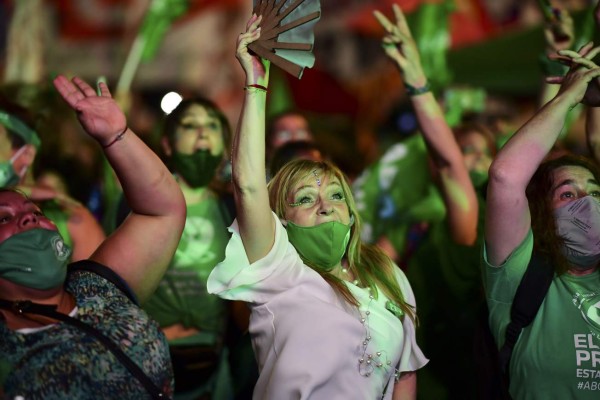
[(19, 112), (272, 121), (467, 127), (543, 225), (172, 120), (290, 151)]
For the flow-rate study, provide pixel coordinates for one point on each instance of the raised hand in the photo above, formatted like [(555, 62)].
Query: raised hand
[(256, 68), (581, 81), (400, 46), (581, 66), (100, 116)]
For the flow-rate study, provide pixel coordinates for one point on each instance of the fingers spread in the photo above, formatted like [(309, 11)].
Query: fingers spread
[(87, 90), (554, 79), (592, 53), (104, 91), (383, 21), (586, 47), (67, 90), (401, 20)]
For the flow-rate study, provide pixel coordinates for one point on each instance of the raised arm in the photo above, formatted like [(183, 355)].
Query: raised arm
[(592, 131), (457, 189), (592, 99), (140, 250), (256, 225), (507, 215)]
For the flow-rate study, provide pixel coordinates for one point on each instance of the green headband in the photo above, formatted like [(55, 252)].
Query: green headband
[(16, 126)]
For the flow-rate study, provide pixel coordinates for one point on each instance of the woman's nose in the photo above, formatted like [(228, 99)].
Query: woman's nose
[(29, 219), (325, 208)]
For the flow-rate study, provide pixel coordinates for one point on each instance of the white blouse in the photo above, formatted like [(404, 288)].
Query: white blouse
[(310, 343)]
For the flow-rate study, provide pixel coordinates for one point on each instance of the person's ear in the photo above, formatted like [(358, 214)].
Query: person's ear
[(24, 157)]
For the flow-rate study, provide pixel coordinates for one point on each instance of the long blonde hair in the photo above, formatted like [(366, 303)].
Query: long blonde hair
[(372, 267)]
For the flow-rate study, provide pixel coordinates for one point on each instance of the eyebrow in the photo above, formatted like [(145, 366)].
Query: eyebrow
[(571, 182), (26, 201), (312, 187)]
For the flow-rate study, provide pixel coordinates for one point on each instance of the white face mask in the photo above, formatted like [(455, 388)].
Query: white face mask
[(578, 224)]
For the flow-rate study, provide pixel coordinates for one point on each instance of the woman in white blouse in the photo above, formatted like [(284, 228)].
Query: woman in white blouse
[(332, 318)]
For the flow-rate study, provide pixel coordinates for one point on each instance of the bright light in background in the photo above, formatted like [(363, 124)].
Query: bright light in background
[(170, 101)]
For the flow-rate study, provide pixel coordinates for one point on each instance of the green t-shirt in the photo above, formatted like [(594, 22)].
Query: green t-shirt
[(397, 191), (558, 355), (181, 296)]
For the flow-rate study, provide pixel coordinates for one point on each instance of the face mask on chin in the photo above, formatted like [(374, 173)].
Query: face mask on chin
[(578, 224), (198, 168), (321, 245), (36, 259)]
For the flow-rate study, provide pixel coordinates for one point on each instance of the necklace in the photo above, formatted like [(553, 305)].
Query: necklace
[(369, 361)]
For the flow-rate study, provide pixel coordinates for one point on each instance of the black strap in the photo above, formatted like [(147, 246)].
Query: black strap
[(106, 273), (28, 307), (526, 303)]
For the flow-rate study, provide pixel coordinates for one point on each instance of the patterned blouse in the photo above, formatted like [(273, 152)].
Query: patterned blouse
[(63, 362)]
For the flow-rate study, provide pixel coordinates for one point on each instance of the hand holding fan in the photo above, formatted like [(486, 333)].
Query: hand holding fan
[(287, 36)]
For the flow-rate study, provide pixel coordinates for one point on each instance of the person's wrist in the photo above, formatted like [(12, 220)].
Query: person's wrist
[(254, 87), (116, 139), (417, 90)]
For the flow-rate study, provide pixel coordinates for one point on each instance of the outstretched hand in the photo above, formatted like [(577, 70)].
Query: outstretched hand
[(99, 115), (256, 68), (582, 69), (400, 46), (581, 82)]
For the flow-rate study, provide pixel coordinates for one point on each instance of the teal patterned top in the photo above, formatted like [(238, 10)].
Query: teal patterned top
[(63, 362)]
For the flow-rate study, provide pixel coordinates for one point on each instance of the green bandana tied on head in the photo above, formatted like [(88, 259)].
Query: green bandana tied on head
[(321, 245), (15, 125)]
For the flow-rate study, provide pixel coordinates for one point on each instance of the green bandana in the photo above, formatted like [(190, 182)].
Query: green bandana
[(15, 125), (36, 258), (321, 245), (8, 175)]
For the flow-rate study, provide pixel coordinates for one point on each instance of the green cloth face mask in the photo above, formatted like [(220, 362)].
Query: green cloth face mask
[(322, 245), (198, 168), (36, 259)]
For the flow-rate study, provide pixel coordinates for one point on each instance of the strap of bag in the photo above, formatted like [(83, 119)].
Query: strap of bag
[(28, 307), (106, 273), (526, 303)]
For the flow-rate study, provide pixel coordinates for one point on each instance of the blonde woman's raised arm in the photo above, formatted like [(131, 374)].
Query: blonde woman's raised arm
[(256, 225)]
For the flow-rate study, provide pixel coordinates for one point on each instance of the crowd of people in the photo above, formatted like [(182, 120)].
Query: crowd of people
[(243, 263)]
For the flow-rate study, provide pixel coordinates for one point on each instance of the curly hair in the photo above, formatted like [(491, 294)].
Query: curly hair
[(547, 241), (372, 267)]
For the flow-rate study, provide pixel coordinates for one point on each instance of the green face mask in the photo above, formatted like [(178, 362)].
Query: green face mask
[(321, 245), (36, 259), (198, 168)]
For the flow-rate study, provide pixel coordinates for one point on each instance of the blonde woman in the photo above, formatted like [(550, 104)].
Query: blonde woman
[(332, 318)]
